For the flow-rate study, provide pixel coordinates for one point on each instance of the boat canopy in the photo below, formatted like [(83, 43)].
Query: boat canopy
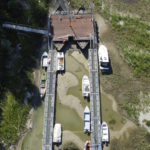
[(103, 53)]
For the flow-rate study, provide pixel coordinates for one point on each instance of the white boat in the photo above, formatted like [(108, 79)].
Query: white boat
[(87, 119), (85, 86), (57, 133), (43, 84), (44, 60), (105, 133), (103, 58), (60, 61)]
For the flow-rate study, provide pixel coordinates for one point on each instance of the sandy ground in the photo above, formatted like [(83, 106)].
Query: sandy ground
[(64, 83)]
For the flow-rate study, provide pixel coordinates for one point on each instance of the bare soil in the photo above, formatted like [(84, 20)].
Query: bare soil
[(64, 83)]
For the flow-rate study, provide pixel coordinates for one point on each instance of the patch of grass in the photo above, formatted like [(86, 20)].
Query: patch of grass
[(133, 40), (70, 146), (148, 123), (112, 122), (137, 140), (136, 8), (78, 3)]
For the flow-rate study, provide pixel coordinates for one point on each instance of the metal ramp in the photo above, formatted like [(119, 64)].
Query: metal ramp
[(95, 101), (25, 28), (49, 103)]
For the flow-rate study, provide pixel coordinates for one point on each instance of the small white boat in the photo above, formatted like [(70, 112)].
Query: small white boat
[(44, 60), (43, 84), (87, 119), (85, 86), (60, 61), (105, 133), (103, 58), (57, 133)]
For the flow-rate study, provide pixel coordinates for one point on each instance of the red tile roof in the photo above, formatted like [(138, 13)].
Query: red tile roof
[(79, 26)]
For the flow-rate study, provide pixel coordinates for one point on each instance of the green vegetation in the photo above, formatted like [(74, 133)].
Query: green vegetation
[(134, 8), (133, 39), (138, 139), (14, 116), (79, 3), (112, 121), (70, 146), (33, 140), (17, 66), (147, 122)]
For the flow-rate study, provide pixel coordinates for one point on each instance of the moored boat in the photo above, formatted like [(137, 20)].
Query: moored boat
[(103, 58), (87, 120), (44, 60), (105, 133), (57, 133), (85, 86), (43, 84)]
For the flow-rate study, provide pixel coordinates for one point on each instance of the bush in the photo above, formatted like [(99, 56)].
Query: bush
[(148, 123), (70, 146), (133, 39), (112, 121)]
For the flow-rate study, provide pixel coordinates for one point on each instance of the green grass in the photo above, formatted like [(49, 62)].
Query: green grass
[(138, 8), (33, 140), (133, 39)]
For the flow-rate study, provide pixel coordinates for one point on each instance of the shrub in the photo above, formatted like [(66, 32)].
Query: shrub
[(148, 123), (70, 146)]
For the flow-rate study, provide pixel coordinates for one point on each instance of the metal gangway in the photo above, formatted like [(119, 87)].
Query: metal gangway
[(25, 28), (95, 101), (50, 103)]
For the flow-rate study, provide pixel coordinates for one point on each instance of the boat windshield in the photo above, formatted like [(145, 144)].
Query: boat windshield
[(104, 64), (44, 56)]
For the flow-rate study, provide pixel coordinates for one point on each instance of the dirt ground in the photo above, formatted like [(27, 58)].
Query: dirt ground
[(64, 83), (72, 137)]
